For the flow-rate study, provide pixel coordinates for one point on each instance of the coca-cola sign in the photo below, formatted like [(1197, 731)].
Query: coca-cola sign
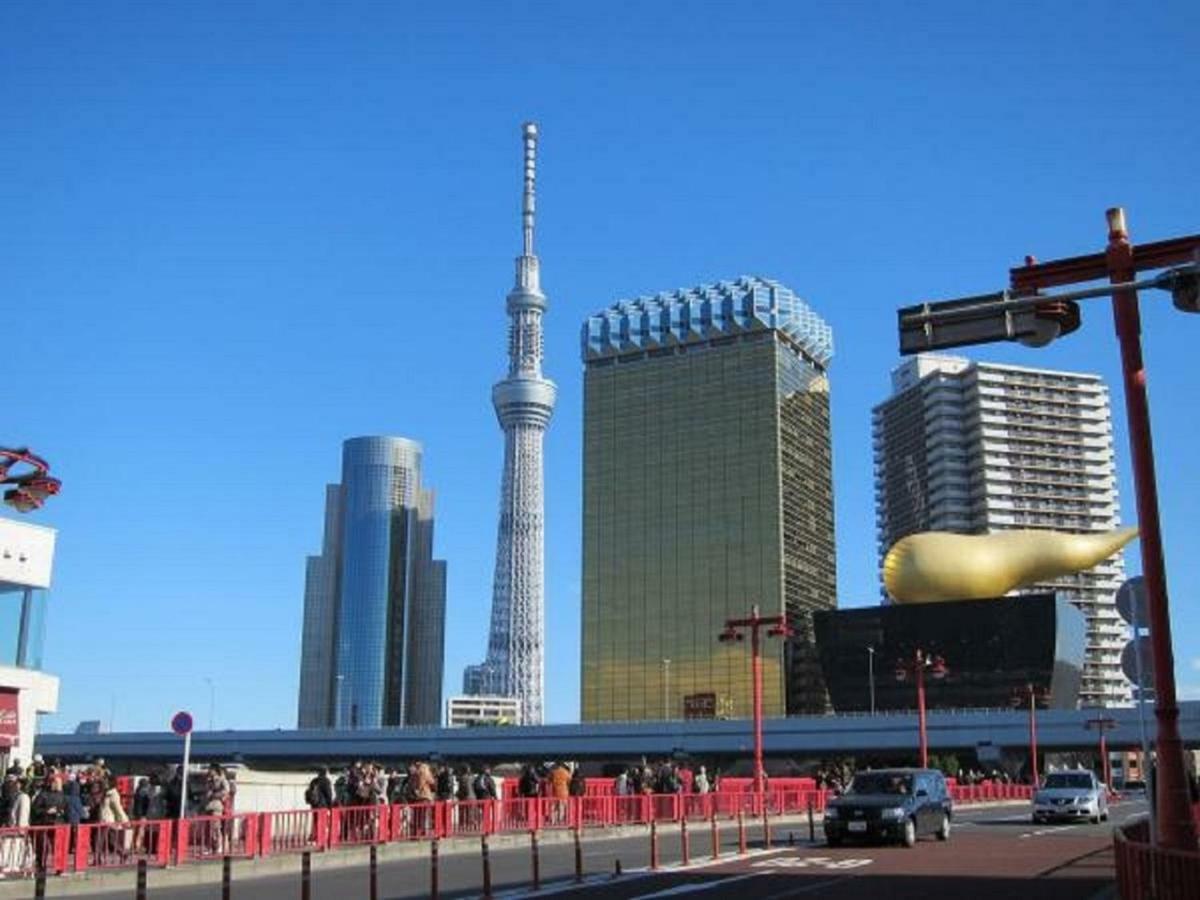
[(10, 725)]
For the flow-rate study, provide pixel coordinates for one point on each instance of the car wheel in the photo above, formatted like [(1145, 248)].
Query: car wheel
[(1037, 820), (1096, 819), (910, 833), (1104, 816), (943, 833)]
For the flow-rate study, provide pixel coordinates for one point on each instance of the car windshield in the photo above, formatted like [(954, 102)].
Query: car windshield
[(881, 783), (1069, 780)]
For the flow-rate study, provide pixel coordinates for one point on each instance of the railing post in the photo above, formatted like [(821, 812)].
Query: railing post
[(812, 830), (140, 890), (373, 874), (535, 862), (741, 832), (226, 877), (653, 844), (264, 832), (181, 841), (716, 838), (683, 841), (487, 866), (306, 876), (578, 856), (433, 869)]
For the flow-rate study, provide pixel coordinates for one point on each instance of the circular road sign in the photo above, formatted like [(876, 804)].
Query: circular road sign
[(1132, 592), (1139, 647), (181, 723)]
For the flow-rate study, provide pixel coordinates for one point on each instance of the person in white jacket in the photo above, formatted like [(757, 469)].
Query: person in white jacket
[(16, 850)]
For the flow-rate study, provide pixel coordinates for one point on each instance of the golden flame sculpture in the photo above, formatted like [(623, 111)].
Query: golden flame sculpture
[(939, 565)]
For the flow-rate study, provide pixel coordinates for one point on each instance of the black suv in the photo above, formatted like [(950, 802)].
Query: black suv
[(891, 805)]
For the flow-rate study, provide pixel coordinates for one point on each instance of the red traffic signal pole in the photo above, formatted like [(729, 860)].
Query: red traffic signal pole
[(1034, 694), (1119, 263), (778, 627), (1103, 723)]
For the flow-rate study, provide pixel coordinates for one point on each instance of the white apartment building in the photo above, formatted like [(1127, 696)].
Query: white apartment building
[(462, 712), (978, 447)]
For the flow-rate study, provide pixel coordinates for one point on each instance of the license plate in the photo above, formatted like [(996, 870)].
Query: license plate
[(857, 826)]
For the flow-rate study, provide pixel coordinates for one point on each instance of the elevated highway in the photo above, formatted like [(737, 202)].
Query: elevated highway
[(800, 736)]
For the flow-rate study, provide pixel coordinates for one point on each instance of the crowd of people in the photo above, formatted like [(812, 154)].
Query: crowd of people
[(367, 784), (55, 794), (370, 783)]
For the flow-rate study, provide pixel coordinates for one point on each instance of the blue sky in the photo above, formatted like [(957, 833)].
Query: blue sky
[(234, 234)]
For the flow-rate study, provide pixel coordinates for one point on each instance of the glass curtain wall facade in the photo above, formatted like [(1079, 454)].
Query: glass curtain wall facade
[(707, 488), (992, 648), (22, 625), (375, 599)]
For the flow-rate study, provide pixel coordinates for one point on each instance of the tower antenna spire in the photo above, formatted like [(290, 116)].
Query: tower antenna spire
[(530, 131)]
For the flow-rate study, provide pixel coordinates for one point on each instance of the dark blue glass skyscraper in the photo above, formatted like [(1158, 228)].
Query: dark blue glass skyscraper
[(375, 598)]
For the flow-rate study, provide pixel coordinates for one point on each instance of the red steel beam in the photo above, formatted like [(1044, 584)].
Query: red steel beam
[(1094, 266)]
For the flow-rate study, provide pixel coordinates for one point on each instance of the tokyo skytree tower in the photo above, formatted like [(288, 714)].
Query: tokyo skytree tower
[(524, 402)]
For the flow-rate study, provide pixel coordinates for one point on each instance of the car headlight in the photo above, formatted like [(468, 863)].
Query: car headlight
[(831, 812), (895, 812)]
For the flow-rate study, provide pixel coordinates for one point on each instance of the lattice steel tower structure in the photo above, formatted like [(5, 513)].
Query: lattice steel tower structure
[(524, 402)]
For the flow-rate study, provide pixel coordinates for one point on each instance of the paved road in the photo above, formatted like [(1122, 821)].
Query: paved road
[(992, 853)]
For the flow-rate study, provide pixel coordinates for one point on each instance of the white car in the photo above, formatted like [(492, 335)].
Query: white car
[(1070, 795)]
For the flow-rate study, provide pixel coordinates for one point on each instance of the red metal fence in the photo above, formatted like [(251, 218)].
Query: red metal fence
[(1144, 870), (245, 835)]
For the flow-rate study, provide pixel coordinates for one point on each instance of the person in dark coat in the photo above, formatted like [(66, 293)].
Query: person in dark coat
[(76, 812), (50, 805)]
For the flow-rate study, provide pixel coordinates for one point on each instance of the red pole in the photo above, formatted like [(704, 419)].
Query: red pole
[(1175, 826), (921, 709), (1104, 756), (1033, 760), (756, 663)]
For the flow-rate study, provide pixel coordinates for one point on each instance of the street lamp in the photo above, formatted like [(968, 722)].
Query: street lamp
[(666, 690), (916, 667), (1036, 695), (776, 626), (871, 675), (1024, 314), (212, 702), (337, 719)]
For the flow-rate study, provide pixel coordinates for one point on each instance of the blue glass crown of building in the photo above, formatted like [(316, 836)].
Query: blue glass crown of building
[(699, 314)]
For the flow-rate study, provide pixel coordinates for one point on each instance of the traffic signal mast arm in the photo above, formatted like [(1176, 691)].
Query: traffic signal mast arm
[(1012, 314)]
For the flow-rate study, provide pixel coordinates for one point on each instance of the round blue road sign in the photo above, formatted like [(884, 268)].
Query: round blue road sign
[(181, 723)]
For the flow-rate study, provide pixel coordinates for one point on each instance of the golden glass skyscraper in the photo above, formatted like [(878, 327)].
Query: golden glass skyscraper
[(707, 488)]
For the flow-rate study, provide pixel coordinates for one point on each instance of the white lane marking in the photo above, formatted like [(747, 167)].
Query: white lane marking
[(696, 888), (1042, 831), (810, 862)]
